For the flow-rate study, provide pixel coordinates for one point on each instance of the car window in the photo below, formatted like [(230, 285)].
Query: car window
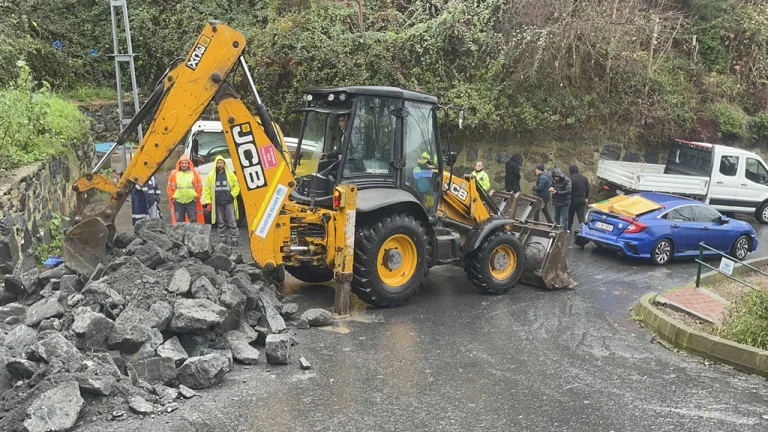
[(682, 214), (756, 172), (729, 165), (705, 214)]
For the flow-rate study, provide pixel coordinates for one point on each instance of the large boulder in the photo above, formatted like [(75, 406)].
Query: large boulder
[(173, 349), (270, 312), (180, 283), (151, 255), (203, 289), (20, 338), (54, 347), (241, 350), (155, 370), (91, 328), (196, 237), (132, 329), (54, 273), (101, 293), (278, 349), (318, 317), (234, 301), (56, 409), (196, 315), (154, 225), (248, 288), (204, 371), (49, 307), (163, 311), (160, 240), (12, 309)]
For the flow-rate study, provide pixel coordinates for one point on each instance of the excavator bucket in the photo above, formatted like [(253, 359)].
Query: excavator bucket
[(544, 243), (84, 245)]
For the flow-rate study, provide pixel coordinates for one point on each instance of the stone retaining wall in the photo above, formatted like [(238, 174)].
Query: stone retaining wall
[(30, 196)]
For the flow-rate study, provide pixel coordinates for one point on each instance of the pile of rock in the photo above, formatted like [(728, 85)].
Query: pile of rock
[(168, 314)]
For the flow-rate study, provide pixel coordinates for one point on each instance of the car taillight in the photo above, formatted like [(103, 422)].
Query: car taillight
[(634, 226)]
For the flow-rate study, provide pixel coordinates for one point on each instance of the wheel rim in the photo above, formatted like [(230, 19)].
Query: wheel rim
[(397, 260), (663, 252), (503, 262), (765, 213), (742, 248)]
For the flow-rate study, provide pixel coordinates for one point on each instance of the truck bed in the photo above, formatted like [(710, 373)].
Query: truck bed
[(644, 177)]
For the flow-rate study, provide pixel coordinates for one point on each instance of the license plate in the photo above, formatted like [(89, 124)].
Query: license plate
[(604, 226)]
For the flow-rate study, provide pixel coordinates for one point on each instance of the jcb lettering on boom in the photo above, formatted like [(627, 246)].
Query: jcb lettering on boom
[(248, 156), (197, 53)]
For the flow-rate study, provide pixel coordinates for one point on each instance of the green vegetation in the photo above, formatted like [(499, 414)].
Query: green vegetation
[(89, 94), (53, 247), (642, 70), (34, 123), (749, 323)]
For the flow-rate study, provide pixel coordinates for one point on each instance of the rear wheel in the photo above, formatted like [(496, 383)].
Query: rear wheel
[(740, 248), (390, 260), (497, 265), (310, 274), (662, 252), (762, 213)]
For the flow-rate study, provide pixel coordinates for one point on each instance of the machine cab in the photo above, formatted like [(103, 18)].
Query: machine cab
[(373, 137)]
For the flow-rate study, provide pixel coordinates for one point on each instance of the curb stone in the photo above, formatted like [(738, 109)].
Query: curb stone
[(742, 357)]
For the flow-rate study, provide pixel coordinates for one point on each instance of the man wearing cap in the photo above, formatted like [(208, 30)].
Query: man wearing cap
[(541, 189)]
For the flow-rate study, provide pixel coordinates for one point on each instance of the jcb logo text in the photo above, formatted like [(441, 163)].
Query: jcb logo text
[(248, 156)]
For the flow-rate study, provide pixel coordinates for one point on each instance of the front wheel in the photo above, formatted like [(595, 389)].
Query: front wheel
[(662, 252), (762, 213), (497, 265), (390, 259), (740, 248)]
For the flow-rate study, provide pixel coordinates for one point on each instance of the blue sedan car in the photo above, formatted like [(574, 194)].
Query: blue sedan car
[(662, 227)]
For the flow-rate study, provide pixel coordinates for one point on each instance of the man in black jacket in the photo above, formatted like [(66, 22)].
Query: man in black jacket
[(512, 176), (542, 190), (579, 195), (561, 197)]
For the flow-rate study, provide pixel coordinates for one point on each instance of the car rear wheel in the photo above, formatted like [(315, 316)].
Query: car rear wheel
[(662, 252), (740, 248)]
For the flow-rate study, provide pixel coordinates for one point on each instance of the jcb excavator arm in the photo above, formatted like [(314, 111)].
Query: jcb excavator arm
[(179, 99)]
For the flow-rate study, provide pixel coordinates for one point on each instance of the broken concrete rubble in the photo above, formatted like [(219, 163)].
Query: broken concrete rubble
[(318, 317), (277, 349), (55, 410), (171, 310)]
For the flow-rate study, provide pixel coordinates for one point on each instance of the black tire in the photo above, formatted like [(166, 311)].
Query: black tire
[(762, 214), (370, 237), (741, 248), (580, 241), (477, 263), (662, 252), (310, 274)]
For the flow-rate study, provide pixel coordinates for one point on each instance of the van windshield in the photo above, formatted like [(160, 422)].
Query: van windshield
[(209, 145), (688, 160)]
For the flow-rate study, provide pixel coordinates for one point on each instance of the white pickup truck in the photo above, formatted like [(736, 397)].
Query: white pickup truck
[(726, 178)]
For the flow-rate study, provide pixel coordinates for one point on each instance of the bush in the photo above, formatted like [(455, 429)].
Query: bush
[(35, 123), (731, 121), (758, 127), (749, 322)]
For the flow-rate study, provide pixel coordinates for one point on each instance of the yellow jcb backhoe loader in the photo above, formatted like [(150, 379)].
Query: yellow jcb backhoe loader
[(382, 208)]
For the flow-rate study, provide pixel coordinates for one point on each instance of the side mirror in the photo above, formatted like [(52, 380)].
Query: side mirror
[(450, 159), (722, 220), (461, 119)]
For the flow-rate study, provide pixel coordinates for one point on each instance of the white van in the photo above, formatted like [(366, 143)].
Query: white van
[(204, 142), (727, 178)]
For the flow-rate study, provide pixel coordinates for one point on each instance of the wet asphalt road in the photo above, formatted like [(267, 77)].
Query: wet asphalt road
[(455, 360)]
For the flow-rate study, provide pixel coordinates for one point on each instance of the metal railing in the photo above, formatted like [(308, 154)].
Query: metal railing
[(701, 262)]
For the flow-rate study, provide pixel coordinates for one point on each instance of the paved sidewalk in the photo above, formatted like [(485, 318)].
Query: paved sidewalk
[(696, 301)]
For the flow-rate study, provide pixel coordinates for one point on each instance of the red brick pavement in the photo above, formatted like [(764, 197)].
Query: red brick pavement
[(698, 302)]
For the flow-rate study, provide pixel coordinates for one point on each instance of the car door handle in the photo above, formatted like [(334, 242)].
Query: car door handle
[(744, 184), (675, 226), (719, 182), (705, 228)]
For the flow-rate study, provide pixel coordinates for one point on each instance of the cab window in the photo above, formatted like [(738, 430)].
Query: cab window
[(370, 147), (729, 165), (756, 172)]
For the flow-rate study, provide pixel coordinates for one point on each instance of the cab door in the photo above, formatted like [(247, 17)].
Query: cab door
[(370, 143), (724, 185), (421, 174)]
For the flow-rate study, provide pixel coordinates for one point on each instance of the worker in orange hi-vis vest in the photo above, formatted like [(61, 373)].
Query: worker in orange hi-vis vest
[(185, 187)]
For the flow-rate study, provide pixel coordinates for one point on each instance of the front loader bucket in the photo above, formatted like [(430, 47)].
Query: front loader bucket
[(544, 243), (545, 264), (85, 244)]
